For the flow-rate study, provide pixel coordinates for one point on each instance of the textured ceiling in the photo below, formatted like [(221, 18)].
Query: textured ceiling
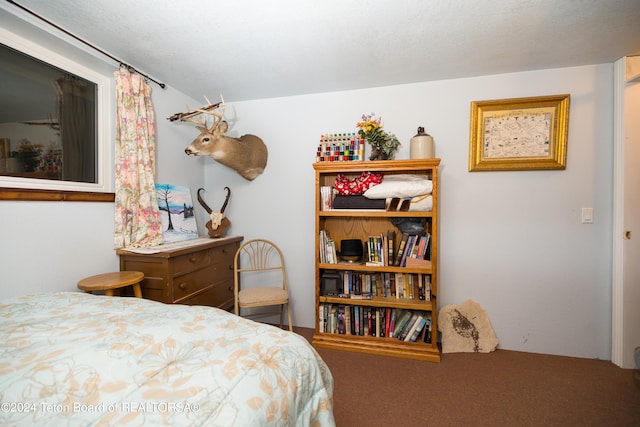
[(251, 49)]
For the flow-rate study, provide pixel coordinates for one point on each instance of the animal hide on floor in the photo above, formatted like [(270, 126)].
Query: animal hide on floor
[(466, 329)]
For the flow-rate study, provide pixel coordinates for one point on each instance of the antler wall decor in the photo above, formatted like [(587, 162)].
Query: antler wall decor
[(219, 223)]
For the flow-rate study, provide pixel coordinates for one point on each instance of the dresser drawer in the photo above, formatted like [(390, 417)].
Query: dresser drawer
[(223, 256), (190, 262), (190, 283), (219, 295)]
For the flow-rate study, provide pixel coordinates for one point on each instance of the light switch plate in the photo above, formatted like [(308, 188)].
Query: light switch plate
[(587, 215)]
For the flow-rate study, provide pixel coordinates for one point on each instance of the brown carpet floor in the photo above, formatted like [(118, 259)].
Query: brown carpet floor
[(502, 388)]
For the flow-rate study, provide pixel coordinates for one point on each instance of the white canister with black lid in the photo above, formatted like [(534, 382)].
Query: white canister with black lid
[(422, 146)]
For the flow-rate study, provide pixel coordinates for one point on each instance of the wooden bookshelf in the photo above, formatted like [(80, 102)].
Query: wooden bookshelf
[(360, 224)]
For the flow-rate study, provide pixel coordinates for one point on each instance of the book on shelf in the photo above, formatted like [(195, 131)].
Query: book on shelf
[(327, 249), (425, 244), (387, 319), (347, 320), (395, 313), (401, 322), (341, 321), (401, 246), (391, 236), (364, 295), (333, 319), (356, 320), (425, 334), (407, 250), (398, 280), (326, 198), (389, 285), (427, 288), (413, 334), (408, 325), (415, 247)]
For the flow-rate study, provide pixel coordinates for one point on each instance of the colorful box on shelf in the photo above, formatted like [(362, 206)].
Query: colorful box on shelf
[(340, 147)]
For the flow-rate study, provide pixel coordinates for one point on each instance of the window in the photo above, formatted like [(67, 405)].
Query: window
[(53, 121)]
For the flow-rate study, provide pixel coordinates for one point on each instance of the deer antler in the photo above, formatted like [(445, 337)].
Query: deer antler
[(210, 109)]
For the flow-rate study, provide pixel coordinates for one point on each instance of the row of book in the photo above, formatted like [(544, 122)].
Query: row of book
[(381, 322), (412, 246), (381, 250), (364, 285)]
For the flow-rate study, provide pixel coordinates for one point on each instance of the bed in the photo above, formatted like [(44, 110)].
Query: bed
[(69, 358)]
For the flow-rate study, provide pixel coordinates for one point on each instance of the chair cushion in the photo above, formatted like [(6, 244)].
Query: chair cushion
[(262, 295)]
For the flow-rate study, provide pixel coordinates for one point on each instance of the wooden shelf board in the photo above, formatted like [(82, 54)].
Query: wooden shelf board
[(374, 269), (405, 304), (378, 346), (378, 165), (360, 213)]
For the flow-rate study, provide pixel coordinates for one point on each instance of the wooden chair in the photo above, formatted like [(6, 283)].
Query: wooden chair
[(259, 266)]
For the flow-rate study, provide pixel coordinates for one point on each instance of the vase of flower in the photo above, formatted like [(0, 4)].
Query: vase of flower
[(29, 162), (383, 144), (378, 154), (29, 156)]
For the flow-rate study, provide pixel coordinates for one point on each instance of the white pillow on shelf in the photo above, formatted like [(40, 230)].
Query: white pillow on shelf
[(401, 185)]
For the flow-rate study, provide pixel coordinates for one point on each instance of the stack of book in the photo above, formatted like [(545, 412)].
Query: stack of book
[(381, 322), (328, 254)]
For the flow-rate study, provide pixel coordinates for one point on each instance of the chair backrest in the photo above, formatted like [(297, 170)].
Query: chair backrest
[(259, 256)]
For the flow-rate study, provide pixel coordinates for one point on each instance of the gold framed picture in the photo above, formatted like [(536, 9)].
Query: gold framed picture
[(519, 134)]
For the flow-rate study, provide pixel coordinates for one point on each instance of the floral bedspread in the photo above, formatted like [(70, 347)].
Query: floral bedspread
[(76, 359)]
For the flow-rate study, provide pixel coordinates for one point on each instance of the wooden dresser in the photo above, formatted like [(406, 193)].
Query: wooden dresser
[(198, 272)]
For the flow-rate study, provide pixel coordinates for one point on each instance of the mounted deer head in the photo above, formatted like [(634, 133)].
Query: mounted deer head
[(246, 155)]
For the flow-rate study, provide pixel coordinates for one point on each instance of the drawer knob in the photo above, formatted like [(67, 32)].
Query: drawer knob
[(225, 250), (182, 286), (193, 259), (230, 266)]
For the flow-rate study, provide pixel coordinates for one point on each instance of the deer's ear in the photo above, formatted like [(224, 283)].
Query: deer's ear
[(223, 126)]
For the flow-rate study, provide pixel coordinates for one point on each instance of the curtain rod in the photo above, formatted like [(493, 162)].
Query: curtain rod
[(124, 64)]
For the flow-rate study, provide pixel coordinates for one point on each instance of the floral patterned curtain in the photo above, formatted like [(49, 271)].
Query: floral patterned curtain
[(137, 217)]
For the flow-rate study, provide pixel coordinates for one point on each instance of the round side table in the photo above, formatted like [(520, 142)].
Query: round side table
[(107, 282)]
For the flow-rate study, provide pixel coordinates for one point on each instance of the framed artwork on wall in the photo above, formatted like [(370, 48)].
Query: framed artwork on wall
[(519, 134), (176, 213)]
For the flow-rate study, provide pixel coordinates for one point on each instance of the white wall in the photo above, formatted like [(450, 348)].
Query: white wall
[(511, 241)]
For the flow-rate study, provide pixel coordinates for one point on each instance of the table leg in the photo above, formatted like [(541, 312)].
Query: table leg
[(137, 291)]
